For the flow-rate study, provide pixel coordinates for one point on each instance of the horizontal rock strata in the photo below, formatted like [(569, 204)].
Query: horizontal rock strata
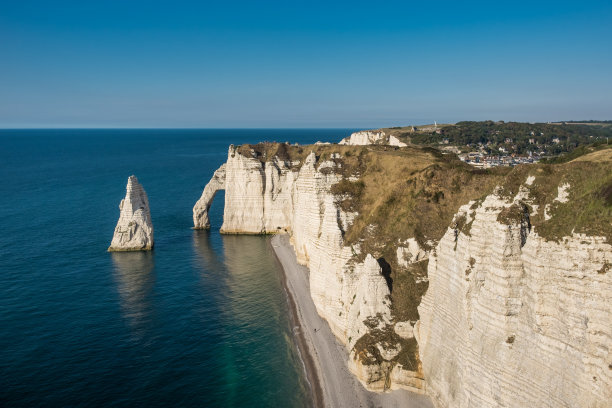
[(509, 319), (134, 230), (513, 320), (279, 196)]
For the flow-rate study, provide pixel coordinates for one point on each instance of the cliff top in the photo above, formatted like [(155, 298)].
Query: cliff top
[(587, 207), (352, 158), (416, 191), (551, 139)]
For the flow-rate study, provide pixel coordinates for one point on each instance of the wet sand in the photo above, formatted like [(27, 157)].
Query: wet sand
[(333, 385)]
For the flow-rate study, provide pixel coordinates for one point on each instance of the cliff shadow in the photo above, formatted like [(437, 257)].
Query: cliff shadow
[(205, 243), (386, 273)]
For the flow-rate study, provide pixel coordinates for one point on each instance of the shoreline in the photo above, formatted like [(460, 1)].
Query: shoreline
[(305, 355), (325, 358)]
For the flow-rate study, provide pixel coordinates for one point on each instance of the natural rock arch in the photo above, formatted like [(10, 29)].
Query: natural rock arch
[(201, 208)]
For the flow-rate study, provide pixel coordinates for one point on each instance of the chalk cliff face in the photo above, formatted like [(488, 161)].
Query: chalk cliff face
[(134, 230), (279, 196), (513, 320), (509, 319), (368, 137), (257, 195)]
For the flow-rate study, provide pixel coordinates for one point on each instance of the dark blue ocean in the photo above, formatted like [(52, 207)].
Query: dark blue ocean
[(200, 321)]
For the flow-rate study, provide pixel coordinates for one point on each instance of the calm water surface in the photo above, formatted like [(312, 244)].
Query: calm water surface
[(200, 321)]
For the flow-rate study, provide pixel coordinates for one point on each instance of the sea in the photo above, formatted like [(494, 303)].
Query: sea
[(200, 321)]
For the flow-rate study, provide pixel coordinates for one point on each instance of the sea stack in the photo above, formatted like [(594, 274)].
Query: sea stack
[(134, 230)]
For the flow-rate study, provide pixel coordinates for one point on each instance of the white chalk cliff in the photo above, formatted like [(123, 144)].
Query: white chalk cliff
[(134, 230), (513, 320), (369, 137), (509, 319), (275, 197), (281, 197)]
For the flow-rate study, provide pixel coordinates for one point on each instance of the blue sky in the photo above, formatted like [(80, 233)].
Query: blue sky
[(301, 63)]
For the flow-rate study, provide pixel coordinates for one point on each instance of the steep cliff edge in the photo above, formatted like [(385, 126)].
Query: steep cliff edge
[(518, 308), (371, 137), (372, 224), (272, 188), (134, 230)]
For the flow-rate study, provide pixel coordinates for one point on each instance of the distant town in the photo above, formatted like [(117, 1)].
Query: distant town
[(488, 144), (484, 160)]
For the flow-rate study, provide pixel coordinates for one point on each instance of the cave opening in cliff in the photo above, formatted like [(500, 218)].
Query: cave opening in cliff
[(386, 273)]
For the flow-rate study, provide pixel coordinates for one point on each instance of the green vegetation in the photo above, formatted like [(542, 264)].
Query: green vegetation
[(267, 150), (515, 214), (351, 162), (416, 192), (515, 137), (409, 192), (589, 208), (348, 193), (577, 152), (367, 352), (409, 286)]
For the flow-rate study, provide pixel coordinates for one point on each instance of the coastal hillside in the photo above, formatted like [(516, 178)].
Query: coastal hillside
[(512, 137), (439, 277)]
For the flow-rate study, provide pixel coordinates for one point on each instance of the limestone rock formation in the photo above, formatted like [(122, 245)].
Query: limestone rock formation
[(278, 196), (513, 320), (257, 195), (134, 230), (410, 252), (509, 319), (394, 141), (200, 210), (369, 137)]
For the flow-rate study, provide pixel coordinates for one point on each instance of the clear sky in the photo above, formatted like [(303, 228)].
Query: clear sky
[(310, 63)]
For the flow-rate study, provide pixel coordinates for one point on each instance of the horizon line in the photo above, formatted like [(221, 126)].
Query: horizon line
[(169, 128), (282, 127)]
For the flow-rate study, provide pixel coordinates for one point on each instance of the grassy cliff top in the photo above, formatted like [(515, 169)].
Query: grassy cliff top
[(589, 206), (354, 159), (398, 193), (401, 193), (415, 191), (517, 137)]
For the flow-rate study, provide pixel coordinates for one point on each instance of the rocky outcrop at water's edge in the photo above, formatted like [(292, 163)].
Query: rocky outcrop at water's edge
[(134, 230)]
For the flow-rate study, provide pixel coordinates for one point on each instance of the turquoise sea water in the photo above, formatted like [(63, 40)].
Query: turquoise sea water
[(200, 321)]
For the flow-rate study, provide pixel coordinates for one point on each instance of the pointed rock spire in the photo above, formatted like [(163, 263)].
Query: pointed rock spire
[(134, 230)]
